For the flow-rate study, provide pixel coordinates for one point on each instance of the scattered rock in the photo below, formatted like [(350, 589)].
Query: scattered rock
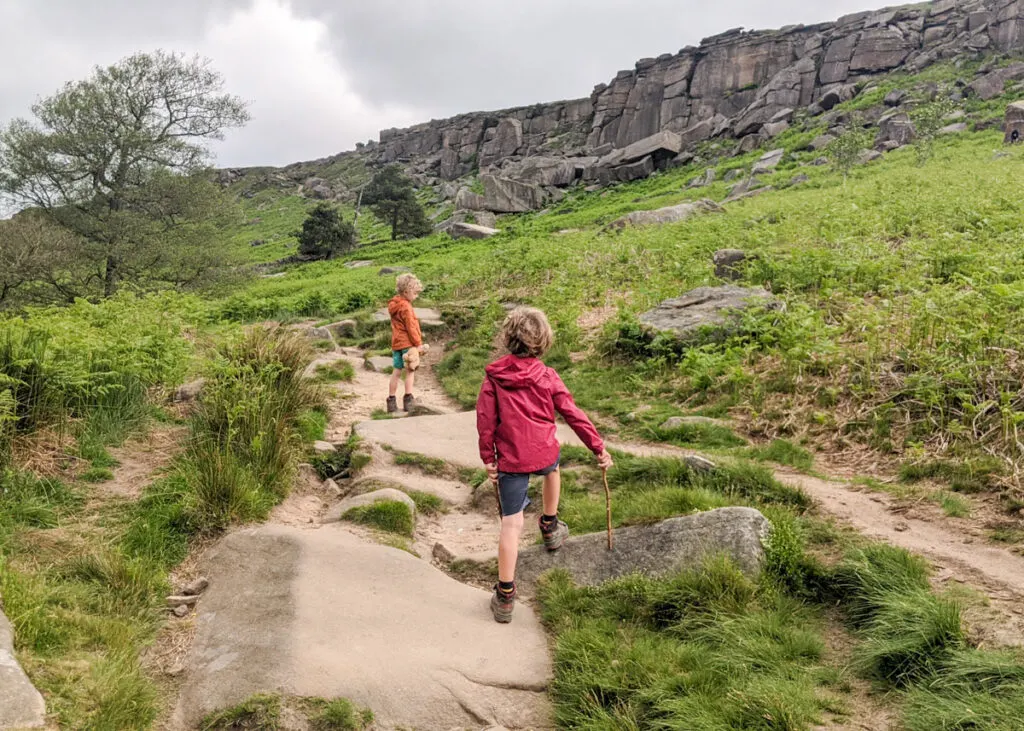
[(317, 333), (867, 156), (993, 84), (821, 161), (954, 129), (190, 391), (728, 263), (332, 488), (748, 194), (673, 545), (321, 447), (661, 216), (896, 128), (700, 464), (714, 309), (344, 329), (895, 98), (704, 179), (442, 555), (768, 162), (361, 264), (389, 495), (21, 705), (901, 527), (181, 601), (257, 242), (197, 587), (743, 186), (836, 96), (800, 179), (471, 231), (821, 142), (181, 611), (385, 271), (1013, 125), (732, 175), (379, 364)]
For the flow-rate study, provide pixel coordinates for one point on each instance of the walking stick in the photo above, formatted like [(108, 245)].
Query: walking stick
[(608, 508)]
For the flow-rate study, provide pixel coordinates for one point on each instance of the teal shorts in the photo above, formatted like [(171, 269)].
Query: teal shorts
[(398, 358)]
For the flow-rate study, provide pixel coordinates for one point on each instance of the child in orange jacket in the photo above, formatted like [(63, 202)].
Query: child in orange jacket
[(405, 335)]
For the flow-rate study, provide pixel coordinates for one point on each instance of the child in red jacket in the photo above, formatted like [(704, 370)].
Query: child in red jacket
[(515, 417)]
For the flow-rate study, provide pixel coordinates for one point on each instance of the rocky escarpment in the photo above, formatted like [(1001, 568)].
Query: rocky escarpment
[(737, 84)]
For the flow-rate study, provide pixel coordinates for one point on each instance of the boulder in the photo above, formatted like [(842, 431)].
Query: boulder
[(324, 448), (387, 495), (768, 162), (21, 705), (867, 156), (471, 231), (895, 98), (896, 128), (800, 179), (993, 84), (836, 96), (344, 329), (626, 173), (661, 216), (1013, 125), (662, 146), (678, 422), (774, 129), (728, 263), (558, 172), (821, 142), (318, 333), (668, 547), (704, 179), (714, 309), (359, 264), (954, 129), (379, 364), (189, 392), (385, 271), (502, 195)]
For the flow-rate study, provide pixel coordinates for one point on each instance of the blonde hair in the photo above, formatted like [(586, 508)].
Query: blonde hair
[(407, 284), (527, 333)]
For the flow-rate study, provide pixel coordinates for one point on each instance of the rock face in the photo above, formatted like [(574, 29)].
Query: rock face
[(21, 705), (673, 545), (672, 214), (738, 83), (716, 308)]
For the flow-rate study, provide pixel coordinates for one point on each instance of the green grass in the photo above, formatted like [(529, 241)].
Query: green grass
[(428, 465), (708, 436), (341, 715), (784, 452), (261, 712), (427, 503), (341, 371), (98, 474), (953, 505), (386, 515)]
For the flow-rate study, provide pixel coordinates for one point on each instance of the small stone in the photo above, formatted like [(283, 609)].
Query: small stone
[(677, 422), (176, 670), (197, 587), (700, 464), (190, 391), (800, 179), (901, 527), (361, 264), (442, 555), (384, 271), (182, 611), (331, 488), (324, 448)]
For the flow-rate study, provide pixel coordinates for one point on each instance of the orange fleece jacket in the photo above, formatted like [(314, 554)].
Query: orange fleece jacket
[(405, 328)]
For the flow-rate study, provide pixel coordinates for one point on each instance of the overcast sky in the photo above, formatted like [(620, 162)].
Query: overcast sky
[(322, 75)]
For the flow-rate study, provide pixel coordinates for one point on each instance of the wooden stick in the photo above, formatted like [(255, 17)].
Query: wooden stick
[(608, 508)]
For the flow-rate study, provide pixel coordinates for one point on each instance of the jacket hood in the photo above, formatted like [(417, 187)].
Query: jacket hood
[(511, 372), (397, 303)]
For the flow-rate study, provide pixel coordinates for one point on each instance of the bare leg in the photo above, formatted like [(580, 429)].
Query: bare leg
[(552, 492), (508, 546), (410, 377), (396, 376)]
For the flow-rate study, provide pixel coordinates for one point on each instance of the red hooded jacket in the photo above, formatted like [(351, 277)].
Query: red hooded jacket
[(515, 416)]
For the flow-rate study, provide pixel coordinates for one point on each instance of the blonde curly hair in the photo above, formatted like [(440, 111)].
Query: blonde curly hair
[(527, 333), (408, 284)]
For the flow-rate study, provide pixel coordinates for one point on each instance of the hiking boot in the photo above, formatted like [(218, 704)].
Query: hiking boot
[(392, 404), (502, 606), (408, 403), (555, 536)]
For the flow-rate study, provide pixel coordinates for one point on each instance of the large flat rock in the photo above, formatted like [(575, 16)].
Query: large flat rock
[(21, 705), (451, 437), (707, 309), (321, 613)]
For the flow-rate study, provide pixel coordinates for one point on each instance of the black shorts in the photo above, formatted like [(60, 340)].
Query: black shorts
[(513, 489)]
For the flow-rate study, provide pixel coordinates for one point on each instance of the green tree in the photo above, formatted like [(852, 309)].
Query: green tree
[(928, 120), (119, 160), (391, 196), (324, 234), (844, 151)]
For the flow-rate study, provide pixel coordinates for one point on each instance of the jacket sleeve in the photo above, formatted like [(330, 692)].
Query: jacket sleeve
[(412, 326), (487, 421), (574, 416)]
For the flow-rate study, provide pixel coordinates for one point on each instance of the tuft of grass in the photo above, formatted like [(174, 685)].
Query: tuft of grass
[(387, 515), (341, 715), (967, 476), (953, 505), (258, 713), (427, 503), (338, 372), (98, 474), (708, 436), (311, 425), (428, 465), (784, 452)]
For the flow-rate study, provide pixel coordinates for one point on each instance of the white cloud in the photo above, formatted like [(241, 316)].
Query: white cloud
[(303, 105)]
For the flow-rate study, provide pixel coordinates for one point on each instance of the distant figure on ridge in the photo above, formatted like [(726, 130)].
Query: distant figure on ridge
[(515, 417), (406, 340)]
